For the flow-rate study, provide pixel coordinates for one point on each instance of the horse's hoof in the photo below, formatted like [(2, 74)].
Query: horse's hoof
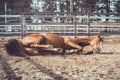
[(67, 51), (49, 47), (98, 50), (71, 51), (87, 53), (84, 52), (59, 50), (27, 57)]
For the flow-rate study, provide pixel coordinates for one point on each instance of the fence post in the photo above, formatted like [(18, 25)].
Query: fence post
[(88, 22), (5, 11), (75, 27), (23, 25)]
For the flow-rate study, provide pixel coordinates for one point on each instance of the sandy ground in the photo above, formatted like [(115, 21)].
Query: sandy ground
[(104, 66)]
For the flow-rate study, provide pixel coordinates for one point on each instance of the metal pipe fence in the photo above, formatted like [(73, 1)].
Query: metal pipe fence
[(59, 24)]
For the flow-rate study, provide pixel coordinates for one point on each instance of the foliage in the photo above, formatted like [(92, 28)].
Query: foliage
[(91, 6)]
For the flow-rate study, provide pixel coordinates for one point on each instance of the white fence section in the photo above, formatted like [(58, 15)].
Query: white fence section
[(23, 24)]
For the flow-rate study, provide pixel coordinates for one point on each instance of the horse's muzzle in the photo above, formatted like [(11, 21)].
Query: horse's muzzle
[(98, 50)]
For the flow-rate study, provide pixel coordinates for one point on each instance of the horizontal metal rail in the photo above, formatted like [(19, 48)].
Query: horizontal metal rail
[(62, 24), (9, 16), (23, 27)]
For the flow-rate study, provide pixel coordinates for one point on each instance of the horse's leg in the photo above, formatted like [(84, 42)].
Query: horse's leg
[(47, 47), (32, 51), (42, 43), (44, 46), (75, 46)]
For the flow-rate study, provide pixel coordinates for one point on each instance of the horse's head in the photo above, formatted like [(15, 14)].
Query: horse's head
[(97, 43)]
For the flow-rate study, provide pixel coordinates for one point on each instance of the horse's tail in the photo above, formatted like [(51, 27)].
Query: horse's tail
[(13, 47)]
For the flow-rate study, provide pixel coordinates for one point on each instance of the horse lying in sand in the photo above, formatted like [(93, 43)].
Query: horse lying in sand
[(34, 44)]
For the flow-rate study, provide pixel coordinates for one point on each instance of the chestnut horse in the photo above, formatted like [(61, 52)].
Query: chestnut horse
[(33, 44)]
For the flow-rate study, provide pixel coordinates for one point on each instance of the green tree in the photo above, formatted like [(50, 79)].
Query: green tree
[(2, 2), (117, 7), (88, 5)]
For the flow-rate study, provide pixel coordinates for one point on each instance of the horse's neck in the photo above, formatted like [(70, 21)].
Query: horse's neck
[(84, 40)]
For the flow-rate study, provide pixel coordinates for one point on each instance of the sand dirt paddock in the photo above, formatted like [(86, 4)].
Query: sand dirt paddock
[(104, 66)]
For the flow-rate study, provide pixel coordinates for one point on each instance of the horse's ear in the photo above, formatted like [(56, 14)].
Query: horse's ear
[(99, 34)]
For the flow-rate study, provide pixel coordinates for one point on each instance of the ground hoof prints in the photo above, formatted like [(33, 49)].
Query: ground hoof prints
[(10, 74), (46, 71)]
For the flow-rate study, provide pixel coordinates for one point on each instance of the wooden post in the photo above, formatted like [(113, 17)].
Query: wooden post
[(75, 27), (88, 22), (74, 18), (71, 10), (5, 12), (23, 25)]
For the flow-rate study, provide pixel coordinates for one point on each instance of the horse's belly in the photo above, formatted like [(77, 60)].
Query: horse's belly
[(32, 51), (55, 40), (27, 41)]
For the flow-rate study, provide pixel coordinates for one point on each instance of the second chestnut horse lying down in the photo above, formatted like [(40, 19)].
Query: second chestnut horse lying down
[(33, 44)]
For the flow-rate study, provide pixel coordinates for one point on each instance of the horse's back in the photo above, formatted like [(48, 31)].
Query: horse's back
[(32, 39)]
